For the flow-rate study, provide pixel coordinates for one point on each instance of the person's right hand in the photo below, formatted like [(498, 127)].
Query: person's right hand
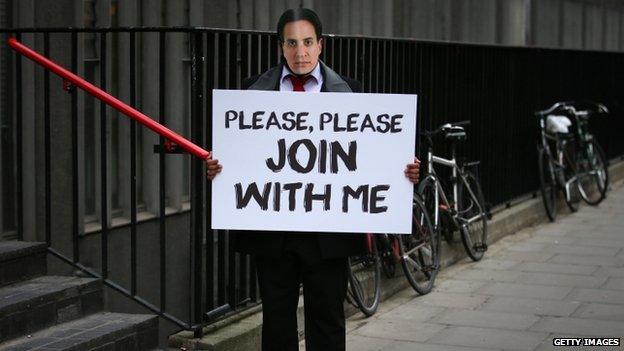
[(212, 167)]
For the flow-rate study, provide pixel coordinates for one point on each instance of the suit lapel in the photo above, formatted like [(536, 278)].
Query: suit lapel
[(332, 82), (269, 80)]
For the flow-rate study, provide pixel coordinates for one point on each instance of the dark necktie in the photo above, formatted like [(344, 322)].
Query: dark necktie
[(298, 81)]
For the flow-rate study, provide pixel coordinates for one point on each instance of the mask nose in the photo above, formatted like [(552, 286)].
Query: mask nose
[(301, 52)]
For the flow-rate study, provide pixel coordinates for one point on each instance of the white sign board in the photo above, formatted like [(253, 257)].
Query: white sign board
[(322, 162)]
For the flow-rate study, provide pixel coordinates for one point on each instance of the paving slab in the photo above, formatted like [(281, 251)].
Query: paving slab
[(488, 275), (399, 330), (610, 272), (453, 300), (486, 319), (528, 256), (532, 306), (529, 247), (582, 326), (495, 264), (597, 295), (549, 239), (577, 249), (600, 311), (366, 343), (412, 313), (489, 338), (556, 268), (412, 346), (600, 242), (459, 286), (557, 279), (526, 290), (614, 284), (598, 232), (588, 260)]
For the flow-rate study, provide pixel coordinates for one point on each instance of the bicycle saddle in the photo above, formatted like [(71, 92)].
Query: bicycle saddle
[(455, 133)]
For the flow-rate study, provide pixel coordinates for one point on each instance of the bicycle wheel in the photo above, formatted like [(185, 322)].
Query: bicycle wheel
[(472, 217), (420, 251), (570, 185), (364, 278), (548, 184), (593, 173)]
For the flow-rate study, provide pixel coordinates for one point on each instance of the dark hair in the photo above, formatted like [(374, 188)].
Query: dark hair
[(300, 13)]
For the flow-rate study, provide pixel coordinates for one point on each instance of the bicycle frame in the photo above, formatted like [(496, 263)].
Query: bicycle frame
[(556, 160), (439, 191)]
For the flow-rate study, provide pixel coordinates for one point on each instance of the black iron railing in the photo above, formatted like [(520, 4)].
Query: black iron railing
[(168, 259)]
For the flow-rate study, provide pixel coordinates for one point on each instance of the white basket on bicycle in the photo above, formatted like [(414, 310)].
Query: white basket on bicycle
[(557, 124)]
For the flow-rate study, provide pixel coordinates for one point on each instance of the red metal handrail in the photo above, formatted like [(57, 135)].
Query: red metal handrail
[(109, 99)]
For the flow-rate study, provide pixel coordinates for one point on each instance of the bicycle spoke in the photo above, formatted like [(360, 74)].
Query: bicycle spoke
[(413, 262)]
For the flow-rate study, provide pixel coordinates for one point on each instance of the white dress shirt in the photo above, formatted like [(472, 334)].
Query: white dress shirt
[(312, 85)]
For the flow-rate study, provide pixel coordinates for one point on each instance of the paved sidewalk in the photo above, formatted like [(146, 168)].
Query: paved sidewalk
[(557, 279)]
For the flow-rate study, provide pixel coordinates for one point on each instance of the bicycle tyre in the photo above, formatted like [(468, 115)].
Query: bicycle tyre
[(571, 192), (426, 190), (365, 279), (472, 217), (548, 184), (420, 250), (594, 161)]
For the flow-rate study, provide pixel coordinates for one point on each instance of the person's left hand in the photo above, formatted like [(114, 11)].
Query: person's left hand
[(412, 171), (213, 167)]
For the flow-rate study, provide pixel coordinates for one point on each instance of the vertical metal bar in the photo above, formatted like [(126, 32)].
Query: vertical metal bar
[(210, 66), (103, 160), (243, 281), (198, 183), (133, 170), (233, 82), (162, 214), (264, 56), (381, 62), (222, 279), (273, 51), (46, 133), (221, 64), (244, 56), (255, 54), (18, 141), (253, 288), (75, 148)]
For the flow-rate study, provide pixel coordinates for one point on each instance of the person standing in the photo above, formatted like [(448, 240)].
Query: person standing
[(287, 260)]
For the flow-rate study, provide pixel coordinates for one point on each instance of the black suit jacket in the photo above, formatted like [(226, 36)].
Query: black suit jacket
[(271, 243)]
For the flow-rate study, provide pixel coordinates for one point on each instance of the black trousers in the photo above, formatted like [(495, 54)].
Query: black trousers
[(324, 290)]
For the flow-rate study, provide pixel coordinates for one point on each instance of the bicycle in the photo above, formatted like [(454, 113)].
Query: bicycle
[(465, 211), (418, 253), (592, 166), (570, 162)]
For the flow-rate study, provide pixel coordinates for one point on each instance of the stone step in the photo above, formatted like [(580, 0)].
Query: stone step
[(32, 305), (20, 260), (102, 331)]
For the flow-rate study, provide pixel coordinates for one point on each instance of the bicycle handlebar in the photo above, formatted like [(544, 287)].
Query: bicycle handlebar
[(571, 107)]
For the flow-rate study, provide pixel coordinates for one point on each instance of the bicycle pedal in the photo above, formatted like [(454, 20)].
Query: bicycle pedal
[(431, 268), (481, 248)]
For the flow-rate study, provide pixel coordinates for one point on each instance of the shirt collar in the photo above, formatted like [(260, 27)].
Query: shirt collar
[(316, 72)]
